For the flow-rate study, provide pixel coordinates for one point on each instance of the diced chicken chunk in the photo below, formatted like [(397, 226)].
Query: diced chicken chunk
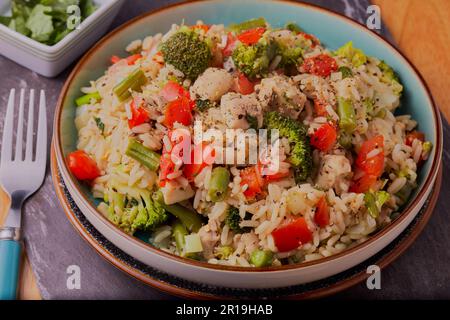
[(316, 87), (209, 239), (236, 107), (251, 242), (335, 169), (280, 94), (174, 193), (212, 84)]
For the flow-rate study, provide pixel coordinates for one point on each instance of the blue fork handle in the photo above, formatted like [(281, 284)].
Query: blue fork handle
[(10, 254)]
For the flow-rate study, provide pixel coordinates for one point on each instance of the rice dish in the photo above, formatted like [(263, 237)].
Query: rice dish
[(247, 145)]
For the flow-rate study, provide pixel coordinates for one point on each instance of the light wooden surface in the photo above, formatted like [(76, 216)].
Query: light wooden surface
[(421, 28)]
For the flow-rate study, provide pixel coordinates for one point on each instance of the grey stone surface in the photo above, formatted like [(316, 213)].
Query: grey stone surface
[(53, 244)]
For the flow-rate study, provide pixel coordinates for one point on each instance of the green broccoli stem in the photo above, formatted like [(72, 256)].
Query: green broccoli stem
[(249, 24), (133, 82), (347, 117), (220, 178), (190, 219), (116, 207), (178, 233), (142, 154), (141, 218), (86, 99)]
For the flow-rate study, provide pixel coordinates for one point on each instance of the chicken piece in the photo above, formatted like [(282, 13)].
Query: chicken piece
[(209, 239), (316, 87), (236, 107), (211, 85), (250, 241), (174, 193), (279, 94), (335, 169)]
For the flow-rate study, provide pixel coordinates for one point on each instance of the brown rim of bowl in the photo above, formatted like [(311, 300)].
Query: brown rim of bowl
[(185, 293), (429, 179)]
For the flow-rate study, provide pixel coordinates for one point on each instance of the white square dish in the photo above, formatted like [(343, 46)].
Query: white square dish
[(48, 60)]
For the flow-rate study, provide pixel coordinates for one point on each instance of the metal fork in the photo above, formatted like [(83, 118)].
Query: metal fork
[(20, 177)]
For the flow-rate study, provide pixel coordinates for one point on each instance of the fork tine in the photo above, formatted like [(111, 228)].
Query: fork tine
[(19, 135), (8, 129), (29, 143), (41, 144)]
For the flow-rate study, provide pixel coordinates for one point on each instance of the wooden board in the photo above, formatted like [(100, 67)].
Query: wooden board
[(421, 29)]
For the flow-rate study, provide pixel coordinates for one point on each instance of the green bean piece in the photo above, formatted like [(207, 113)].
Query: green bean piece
[(133, 82), (178, 233), (86, 99), (346, 72), (261, 258), (347, 117), (142, 154), (190, 219), (249, 24), (218, 185)]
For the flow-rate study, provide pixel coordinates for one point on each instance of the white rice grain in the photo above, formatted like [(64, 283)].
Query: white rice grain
[(396, 185)]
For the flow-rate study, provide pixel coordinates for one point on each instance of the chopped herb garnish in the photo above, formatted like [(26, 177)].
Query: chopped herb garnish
[(100, 124), (252, 121), (203, 105)]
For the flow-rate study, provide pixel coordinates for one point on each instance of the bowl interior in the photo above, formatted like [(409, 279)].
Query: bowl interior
[(330, 28)]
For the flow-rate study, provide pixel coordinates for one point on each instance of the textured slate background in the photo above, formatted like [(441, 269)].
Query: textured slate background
[(52, 243)]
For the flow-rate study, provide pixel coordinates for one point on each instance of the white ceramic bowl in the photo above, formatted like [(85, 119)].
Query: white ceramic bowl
[(48, 60), (330, 27)]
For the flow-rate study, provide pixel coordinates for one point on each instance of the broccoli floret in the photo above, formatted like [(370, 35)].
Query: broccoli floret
[(141, 218), (290, 56), (254, 60), (389, 76), (186, 52), (292, 26), (354, 55), (233, 220), (133, 209), (223, 253), (388, 72), (127, 219), (296, 134), (150, 214)]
